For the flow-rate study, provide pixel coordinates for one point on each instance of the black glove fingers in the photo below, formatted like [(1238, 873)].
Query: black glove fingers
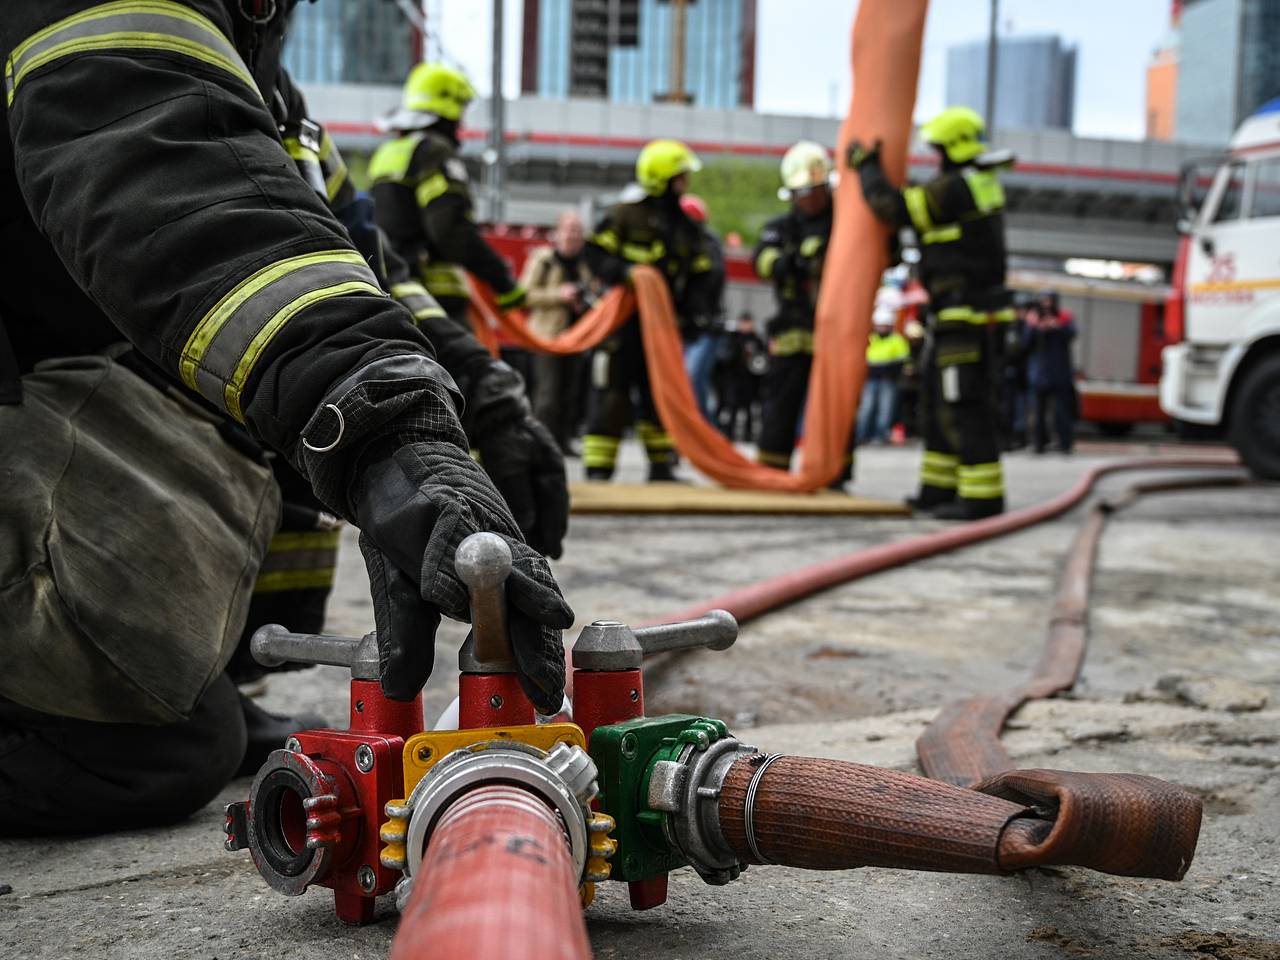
[(406, 627), (540, 660), (533, 592)]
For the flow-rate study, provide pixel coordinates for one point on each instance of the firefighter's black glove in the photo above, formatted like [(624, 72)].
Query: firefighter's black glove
[(858, 153), (520, 455), (414, 504)]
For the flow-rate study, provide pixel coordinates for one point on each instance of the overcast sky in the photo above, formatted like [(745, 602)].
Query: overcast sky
[(802, 54)]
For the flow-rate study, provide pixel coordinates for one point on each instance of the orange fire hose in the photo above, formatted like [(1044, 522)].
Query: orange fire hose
[(885, 54), (497, 882)]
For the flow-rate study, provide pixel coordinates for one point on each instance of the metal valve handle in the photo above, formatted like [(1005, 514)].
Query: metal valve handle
[(483, 563), (273, 645), (611, 645)]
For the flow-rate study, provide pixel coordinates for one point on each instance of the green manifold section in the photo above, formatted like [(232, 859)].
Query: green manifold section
[(624, 754)]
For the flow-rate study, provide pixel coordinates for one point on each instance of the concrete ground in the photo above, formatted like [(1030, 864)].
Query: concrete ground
[(1182, 682)]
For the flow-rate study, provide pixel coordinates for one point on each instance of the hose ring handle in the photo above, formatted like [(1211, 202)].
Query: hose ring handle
[(749, 807)]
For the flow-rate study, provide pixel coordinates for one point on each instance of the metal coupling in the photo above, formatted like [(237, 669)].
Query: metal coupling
[(687, 789), (564, 777)]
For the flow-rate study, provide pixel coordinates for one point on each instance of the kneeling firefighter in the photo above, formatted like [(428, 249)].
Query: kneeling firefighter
[(959, 219), (177, 298), (790, 256), (423, 204), (647, 226)]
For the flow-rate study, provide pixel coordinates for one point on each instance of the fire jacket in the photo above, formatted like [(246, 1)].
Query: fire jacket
[(959, 219), (423, 201), (790, 255), (145, 191), (654, 231)]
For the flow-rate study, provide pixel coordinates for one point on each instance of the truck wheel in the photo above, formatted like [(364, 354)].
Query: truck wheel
[(1255, 419)]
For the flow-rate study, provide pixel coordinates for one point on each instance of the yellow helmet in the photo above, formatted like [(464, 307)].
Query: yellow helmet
[(958, 132), (805, 166), (432, 91), (660, 161)]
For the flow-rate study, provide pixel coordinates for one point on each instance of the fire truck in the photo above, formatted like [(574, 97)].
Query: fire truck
[(1225, 374)]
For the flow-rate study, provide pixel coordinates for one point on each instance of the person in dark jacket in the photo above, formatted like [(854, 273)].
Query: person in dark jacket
[(958, 217), (1050, 371), (742, 360), (146, 194), (646, 227)]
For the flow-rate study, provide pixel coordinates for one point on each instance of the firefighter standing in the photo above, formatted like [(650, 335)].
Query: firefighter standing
[(422, 202), (647, 227), (146, 194), (790, 255), (959, 218)]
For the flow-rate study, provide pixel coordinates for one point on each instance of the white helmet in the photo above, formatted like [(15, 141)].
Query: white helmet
[(805, 166)]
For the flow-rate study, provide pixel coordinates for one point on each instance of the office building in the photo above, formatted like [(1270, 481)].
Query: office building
[(1035, 81), (622, 50), (1228, 65), (350, 41), (1162, 83)]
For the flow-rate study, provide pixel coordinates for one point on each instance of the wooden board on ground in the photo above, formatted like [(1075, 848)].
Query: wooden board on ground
[(686, 498)]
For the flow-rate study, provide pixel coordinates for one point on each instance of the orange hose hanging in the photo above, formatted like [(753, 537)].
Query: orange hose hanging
[(885, 54)]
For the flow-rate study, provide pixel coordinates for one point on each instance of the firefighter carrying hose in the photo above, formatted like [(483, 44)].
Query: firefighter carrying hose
[(959, 219), (422, 202), (790, 255), (647, 226), (147, 195)]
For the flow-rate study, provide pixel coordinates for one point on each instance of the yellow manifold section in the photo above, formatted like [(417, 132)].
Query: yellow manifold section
[(424, 750)]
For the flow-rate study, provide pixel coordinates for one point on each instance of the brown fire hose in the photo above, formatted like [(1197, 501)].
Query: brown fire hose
[(835, 815)]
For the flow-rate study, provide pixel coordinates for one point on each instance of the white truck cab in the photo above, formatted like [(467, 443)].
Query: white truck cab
[(1225, 373)]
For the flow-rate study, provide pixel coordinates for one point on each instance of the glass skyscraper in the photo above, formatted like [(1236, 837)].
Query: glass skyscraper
[(621, 50), (350, 41), (1035, 81), (1229, 65)]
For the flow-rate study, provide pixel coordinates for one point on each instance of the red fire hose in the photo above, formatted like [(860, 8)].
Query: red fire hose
[(747, 603), (497, 882)]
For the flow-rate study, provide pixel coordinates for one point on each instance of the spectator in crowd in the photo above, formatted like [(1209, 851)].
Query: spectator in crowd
[(703, 332), (1050, 330), (742, 358), (1011, 385), (559, 288), (887, 353)]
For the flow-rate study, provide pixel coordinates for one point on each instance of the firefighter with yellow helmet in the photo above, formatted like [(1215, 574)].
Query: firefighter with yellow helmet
[(790, 256), (647, 226), (959, 219), (422, 201)]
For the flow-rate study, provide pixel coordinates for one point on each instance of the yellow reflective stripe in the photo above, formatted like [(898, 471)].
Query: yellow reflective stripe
[(445, 280), (127, 25), (767, 260), (332, 166), (954, 314), (638, 253), (401, 291), (947, 460), (413, 297), (937, 478), (941, 235), (981, 481), (918, 208), (599, 450), (769, 458), (290, 540), (701, 263), (988, 194), (222, 349), (606, 240), (293, 146), (277, 581), (1005, 315), (653, 436), (791, 342), (970, 491), (810, 246), (432, 187), (391, 160), (235, 386)]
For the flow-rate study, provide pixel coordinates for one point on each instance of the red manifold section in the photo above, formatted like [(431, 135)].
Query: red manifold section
[(360, 814), (492, 700), (496, 883), (373, 712), (601, 697)]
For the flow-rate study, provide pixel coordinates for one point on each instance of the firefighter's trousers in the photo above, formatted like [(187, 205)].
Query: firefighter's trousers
[(958, 421), (783, 394), (619, 398)]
